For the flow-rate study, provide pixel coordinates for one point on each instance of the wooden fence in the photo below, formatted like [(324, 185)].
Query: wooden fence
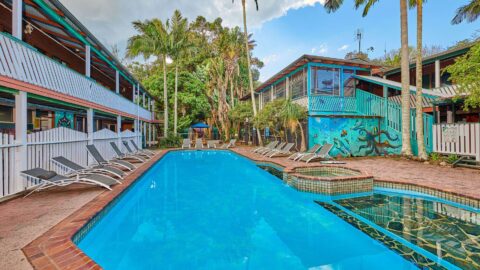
[(459, 139), (42, 146)]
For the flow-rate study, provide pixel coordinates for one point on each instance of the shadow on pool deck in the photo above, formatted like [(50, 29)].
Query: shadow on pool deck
[(25, 219)]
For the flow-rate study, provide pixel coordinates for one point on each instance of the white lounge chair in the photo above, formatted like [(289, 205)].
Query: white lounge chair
[(282, 153), (298, 155), (230, 144), (93, 151), (277, 148), (123, 156), (77, 168), (131, 152), (270, 146), (212, 143), (322, 154), (144, 151), (198, 144), (186, 143), (50, 179)]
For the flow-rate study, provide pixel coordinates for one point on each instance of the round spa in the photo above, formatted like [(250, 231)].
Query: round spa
[(330, 180)]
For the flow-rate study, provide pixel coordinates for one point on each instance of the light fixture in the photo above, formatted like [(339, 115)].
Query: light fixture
[(28, 29)]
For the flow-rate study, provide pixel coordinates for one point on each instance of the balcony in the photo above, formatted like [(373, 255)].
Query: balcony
[(321, 104), (21, 62)]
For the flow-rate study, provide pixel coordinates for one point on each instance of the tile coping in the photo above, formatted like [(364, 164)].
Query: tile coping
[(55, 248)]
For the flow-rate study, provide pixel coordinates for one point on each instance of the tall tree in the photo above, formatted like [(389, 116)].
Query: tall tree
[(422, 153), (152, 40), (179, 44), (333, 5), (468, 12), (249, 64)]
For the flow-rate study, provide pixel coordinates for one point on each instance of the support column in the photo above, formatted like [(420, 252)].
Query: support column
[(144, 134), (437, 74), (143, 100), (17, 16), (150, 134), (20, 138), (88, 60), (90, 125), (134, 93), (117, 82), (287, 87), (119, 130)]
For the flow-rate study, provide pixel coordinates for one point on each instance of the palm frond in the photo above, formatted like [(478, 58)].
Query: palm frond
[(469, 12)]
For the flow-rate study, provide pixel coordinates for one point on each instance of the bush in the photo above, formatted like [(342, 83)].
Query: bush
[(451, 159), (435, 157), (171, 141)]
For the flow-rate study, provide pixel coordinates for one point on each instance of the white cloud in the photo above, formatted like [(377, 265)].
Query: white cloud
[(110, 20), (343, 48), (320, 50)]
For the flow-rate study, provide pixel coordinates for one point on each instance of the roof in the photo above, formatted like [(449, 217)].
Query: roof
[(304, 59), (54, 19), (398, 86), (453, 52)]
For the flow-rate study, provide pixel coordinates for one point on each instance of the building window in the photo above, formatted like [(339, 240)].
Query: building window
[(267, 96), (280, 90), (6, 114), (349, 83), (298, 84), (326, 81)]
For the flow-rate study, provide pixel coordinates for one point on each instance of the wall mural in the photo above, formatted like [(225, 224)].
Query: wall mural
[(64, 119), (353, 136)]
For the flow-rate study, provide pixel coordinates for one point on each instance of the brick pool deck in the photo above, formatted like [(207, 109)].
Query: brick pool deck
[(43, 223)]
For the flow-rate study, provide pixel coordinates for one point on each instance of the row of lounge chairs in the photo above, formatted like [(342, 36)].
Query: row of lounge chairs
[(187, 143), (282, 149), (105, 173)]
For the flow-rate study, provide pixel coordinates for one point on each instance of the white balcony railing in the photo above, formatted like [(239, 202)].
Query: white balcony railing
[(24, 63)]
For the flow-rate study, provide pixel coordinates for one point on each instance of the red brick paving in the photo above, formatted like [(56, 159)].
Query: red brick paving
[(55, 250)]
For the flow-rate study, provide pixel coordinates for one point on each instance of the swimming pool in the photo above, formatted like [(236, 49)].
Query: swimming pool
[(218, 210)]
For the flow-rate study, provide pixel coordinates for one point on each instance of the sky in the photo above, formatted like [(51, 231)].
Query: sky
[(284, 29)]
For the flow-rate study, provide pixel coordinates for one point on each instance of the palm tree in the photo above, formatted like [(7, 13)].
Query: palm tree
[(469, 12), (422, 153), (292, 115), (247, 48), (179, 44), (333, 5), (152, 40)]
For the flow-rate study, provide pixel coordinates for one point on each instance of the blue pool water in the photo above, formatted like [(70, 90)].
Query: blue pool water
[(217, 210)]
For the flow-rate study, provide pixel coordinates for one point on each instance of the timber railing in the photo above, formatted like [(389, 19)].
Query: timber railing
[(22, 62)]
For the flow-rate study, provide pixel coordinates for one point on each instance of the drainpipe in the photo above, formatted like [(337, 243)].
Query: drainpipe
[(20, 138)]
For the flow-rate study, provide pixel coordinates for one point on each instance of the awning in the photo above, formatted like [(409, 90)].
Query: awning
[(200, 125)]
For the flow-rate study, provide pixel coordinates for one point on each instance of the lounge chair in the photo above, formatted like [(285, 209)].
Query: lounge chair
[(52, 179), (138, 150), (270, 146), (186, 143), (198, 143), (212, 143), (131, 152), (314, 149), (92, 149), (277, 148), (322, 154), (77, 168), (282, 153), (123, 156), (230, 144)]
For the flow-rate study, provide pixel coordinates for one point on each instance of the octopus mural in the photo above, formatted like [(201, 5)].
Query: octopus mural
[(353, 136)]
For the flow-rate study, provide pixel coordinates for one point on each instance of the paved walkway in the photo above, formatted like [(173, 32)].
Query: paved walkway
[(24, 219)]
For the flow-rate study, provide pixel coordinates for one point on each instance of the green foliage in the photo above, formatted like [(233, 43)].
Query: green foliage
[(240, 112), (171, 141), (436, 157), (465, 73), (451, 159), (279, 115)]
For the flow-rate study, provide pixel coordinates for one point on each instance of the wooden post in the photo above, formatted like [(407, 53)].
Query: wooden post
[(150, 134), (88, 59), (90, 125), (144, 134), (287, 87), (20, 138), (477, 142), (134, 93), (17, 16), (143, 101), (117, 82), (437, 74)]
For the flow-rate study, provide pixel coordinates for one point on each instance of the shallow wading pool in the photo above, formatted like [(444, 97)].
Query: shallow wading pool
[(218, 210)]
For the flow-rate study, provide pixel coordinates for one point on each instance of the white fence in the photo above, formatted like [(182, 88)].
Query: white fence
[(42, 146), (22, 62), (460, 139)]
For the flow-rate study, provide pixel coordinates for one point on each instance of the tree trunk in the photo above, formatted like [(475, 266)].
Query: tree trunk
[(232, 100), (303, 142), (406, 147), (175, 114), (250, 78), (419, 106), (165, 97)]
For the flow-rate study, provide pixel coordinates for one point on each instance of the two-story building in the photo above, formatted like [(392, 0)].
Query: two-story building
[(61, 88)]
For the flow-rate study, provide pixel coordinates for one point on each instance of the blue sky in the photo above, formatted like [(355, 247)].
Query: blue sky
[(283, 29), (311, 30)]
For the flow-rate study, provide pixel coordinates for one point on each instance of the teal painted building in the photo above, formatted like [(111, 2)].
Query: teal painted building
[(348, 106)]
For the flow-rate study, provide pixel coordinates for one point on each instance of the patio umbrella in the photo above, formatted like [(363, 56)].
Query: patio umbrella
[(200, 125)]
